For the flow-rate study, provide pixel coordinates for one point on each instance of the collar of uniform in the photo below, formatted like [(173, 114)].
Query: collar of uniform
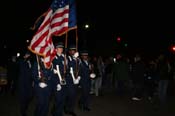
[(59, 54)]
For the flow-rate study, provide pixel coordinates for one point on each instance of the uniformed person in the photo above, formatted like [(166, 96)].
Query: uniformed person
[(85, 81), (43, 86), (59, 77), (72, 80)]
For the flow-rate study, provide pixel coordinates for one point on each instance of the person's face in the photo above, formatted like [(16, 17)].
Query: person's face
[(14, 58), (26, 56), (59, 50), (72, 52), (85, 57)]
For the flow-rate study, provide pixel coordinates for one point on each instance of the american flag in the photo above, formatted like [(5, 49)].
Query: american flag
[(56, 22)]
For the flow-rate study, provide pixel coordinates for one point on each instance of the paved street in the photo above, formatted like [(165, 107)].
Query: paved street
[(108, 104)]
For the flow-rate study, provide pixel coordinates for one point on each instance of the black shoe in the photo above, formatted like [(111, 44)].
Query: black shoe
[(23, 114), (72, 113), (80, 106), (87, 109), (66, 112)]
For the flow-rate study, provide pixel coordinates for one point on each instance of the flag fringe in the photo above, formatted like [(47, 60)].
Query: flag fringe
[(35, 52), (72, 28), (34, 26)]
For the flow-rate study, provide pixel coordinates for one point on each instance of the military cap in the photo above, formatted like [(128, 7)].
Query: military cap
[(59, 45), (84, 53), (72, 47)]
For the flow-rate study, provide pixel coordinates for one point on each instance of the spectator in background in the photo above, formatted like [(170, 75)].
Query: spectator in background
[(25, 82), (12, 74), (138, 71)]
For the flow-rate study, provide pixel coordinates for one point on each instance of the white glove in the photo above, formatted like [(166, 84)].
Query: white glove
[(42, 84), (76, 54), (78, 78), (54, 71), (58, 87), (92, 75), (76, 81)]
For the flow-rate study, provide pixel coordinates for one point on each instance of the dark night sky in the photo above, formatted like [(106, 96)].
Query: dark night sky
[(144, 26)]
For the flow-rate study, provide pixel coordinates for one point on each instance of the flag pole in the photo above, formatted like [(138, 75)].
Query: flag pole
[(76, 39), (39, 69), (40, 73), (76, 34), (65, 57)]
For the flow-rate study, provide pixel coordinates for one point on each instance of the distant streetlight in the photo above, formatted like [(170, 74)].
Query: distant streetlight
[(118, 39), (27, 41), (173, 48), (126, 45), (18, 54), (86, 26)]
